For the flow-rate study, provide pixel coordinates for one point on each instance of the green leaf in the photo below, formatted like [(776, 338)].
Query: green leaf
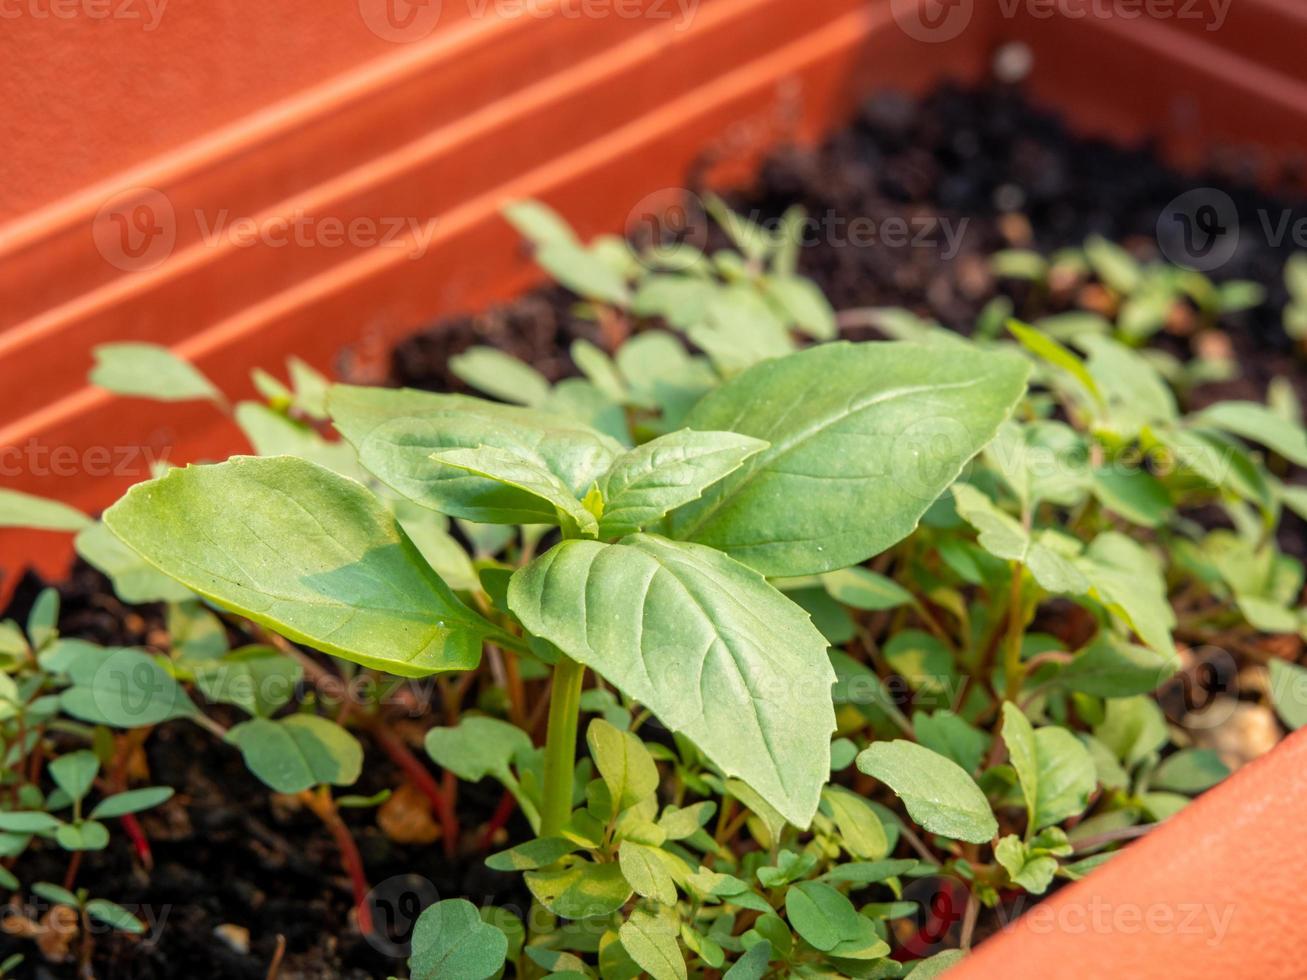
[(648, 482), (1111, 667), (43, 620), (25, 510), (307, 553), (645, 870), (1136, 495), (529, 476), (451, 942), (1289, 693), (122, 687), (27, 822), (538, 853), (935, 966), (1130, 582), (477, 748), (581, 889), (1042, 461), (860, 830), (651, 940), (624, 763), (1191, 770), (584, 272), (75, 773), (1132, 728), (271, 433), (950, 736), (712, 649), (938, 793), (55, 894), (752, 965), (827, 921), (1004, 537), (864, 438), (862, 588), (538, 222), (1137, 395), (149, 371), (1057, 773), (132, 801), (396, 432), (114, 915), (1261, 425), (299, 752), (1047, 349), (804, 305), (89, 835), (501, 375), (685, 822), (256, 678), (134, 579), (197, 634), (1032, 872)]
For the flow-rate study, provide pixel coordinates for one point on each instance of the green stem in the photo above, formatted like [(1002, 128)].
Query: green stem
[(560, 746), (1013, 667)]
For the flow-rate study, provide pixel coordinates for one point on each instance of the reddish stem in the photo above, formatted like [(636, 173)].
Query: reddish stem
[(325, 807), (140, 843), (421, 778), (507, 805)]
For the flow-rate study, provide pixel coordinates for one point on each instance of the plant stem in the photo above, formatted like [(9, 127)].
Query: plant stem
[(1012, 667), (560, 745)]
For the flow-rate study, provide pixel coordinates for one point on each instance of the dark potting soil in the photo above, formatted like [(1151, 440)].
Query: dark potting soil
[(1000, 172)]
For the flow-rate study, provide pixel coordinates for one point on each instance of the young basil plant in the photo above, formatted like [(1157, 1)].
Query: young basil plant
[(800, 465)]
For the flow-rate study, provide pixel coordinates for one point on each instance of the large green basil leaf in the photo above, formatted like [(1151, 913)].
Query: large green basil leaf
[(307, 553), (706, 643), (864, 438), (397, 432), (648, 482)]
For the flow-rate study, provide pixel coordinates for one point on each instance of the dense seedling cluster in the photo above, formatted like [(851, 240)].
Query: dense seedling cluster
[(836, 623)]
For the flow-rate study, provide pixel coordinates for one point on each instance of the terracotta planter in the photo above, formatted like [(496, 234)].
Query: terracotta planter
[(143, 147)]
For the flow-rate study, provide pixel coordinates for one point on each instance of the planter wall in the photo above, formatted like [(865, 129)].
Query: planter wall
[(305, 110), (438, 133)]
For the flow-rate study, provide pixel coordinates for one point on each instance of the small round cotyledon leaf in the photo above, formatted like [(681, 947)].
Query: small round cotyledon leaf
[(119, 686), (938, 793), (451, 942), (863, 439), (307, 553), (300, 752), (706, 643)]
